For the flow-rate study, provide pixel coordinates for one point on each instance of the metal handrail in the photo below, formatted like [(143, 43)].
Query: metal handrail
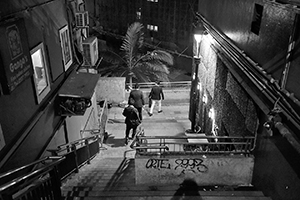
[(197, 137), (42, 160), (30, 175), (211, 144), (174, 84)]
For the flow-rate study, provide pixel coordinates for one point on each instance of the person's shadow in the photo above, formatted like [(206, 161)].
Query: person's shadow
[(188, 190)]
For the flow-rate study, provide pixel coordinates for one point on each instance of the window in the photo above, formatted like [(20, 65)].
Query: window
[(152, 28), (257, 16), (138, 14), (41, 75)]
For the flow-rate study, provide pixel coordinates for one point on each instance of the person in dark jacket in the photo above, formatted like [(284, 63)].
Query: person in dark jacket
[(156, 95), (132, 121), (136, 97)]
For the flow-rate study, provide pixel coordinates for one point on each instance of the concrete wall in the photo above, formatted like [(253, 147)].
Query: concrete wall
[(210, 170), (111, 88), (86, 122)]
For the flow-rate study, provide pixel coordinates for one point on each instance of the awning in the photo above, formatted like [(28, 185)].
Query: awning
[(76, 93), (79, 85)]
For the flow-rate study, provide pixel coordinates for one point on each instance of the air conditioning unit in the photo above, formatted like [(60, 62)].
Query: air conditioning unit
[(82, 19), (81, 35), (90, 51)]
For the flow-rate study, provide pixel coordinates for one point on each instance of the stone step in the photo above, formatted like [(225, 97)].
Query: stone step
[(114, 178), (200, 197), (161, 192)]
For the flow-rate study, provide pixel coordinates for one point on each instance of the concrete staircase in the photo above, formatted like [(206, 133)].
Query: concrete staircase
[(111, 175)]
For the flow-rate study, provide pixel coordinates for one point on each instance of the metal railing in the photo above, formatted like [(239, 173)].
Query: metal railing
[(176, 145), (42, 179), (77, 153), (42, 183), (178, 84)]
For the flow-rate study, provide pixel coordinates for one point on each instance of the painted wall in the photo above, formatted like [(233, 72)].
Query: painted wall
[(208, 170)]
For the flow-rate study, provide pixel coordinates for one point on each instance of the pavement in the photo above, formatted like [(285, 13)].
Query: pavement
[(173, 121)]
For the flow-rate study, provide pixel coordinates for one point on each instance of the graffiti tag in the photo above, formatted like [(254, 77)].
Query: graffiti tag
[(193, 165), (158, 164)]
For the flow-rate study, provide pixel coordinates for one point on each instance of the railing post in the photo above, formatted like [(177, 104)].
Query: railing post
[(6, 197), (55, 180), (86, 142), (73, 147)]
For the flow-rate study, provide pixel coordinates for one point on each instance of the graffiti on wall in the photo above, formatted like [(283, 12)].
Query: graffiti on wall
[(184, 165)]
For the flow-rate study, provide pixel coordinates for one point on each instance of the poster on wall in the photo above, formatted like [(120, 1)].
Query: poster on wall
[(2, 142), (15, 62), (65, 43)]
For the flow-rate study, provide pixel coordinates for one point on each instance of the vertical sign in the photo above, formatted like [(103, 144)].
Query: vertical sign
[(15, 63), (2, 142)]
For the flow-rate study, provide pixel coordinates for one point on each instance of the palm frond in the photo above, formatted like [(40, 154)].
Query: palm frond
[(132, 42), (156, 66), (162, 56)]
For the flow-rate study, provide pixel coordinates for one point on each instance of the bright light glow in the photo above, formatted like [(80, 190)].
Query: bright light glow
[(204, 99), (194, 76), (199, 86), (208, 39), (198, 37), (211, 113)]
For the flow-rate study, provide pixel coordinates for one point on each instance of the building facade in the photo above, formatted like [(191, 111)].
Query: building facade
[(244, 83), (39, 58), (168, 24)]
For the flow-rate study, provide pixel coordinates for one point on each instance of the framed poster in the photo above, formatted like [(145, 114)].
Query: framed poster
[(15, 64), (65, 43), (41, 75)]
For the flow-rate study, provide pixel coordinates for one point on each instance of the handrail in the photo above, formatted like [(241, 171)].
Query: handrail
[(197, 137), (75, 142), (205, 144), (39, 171), (23, 167), (174, 84)]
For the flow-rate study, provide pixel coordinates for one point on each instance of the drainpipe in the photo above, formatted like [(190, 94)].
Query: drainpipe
[(275, 120)]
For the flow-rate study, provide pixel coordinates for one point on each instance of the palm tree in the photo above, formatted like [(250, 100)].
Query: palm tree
[(144, 67)]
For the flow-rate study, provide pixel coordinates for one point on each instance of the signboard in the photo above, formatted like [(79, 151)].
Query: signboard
[(15, 63)]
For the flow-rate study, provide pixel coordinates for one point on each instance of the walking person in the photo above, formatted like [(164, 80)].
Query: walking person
[(136, 97), (156, 95), (132, 120)]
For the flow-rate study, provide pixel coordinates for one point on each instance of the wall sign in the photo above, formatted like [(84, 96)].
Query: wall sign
[(15, 64)]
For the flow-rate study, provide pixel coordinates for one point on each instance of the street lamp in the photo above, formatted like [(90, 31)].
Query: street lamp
[(196, 87)]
